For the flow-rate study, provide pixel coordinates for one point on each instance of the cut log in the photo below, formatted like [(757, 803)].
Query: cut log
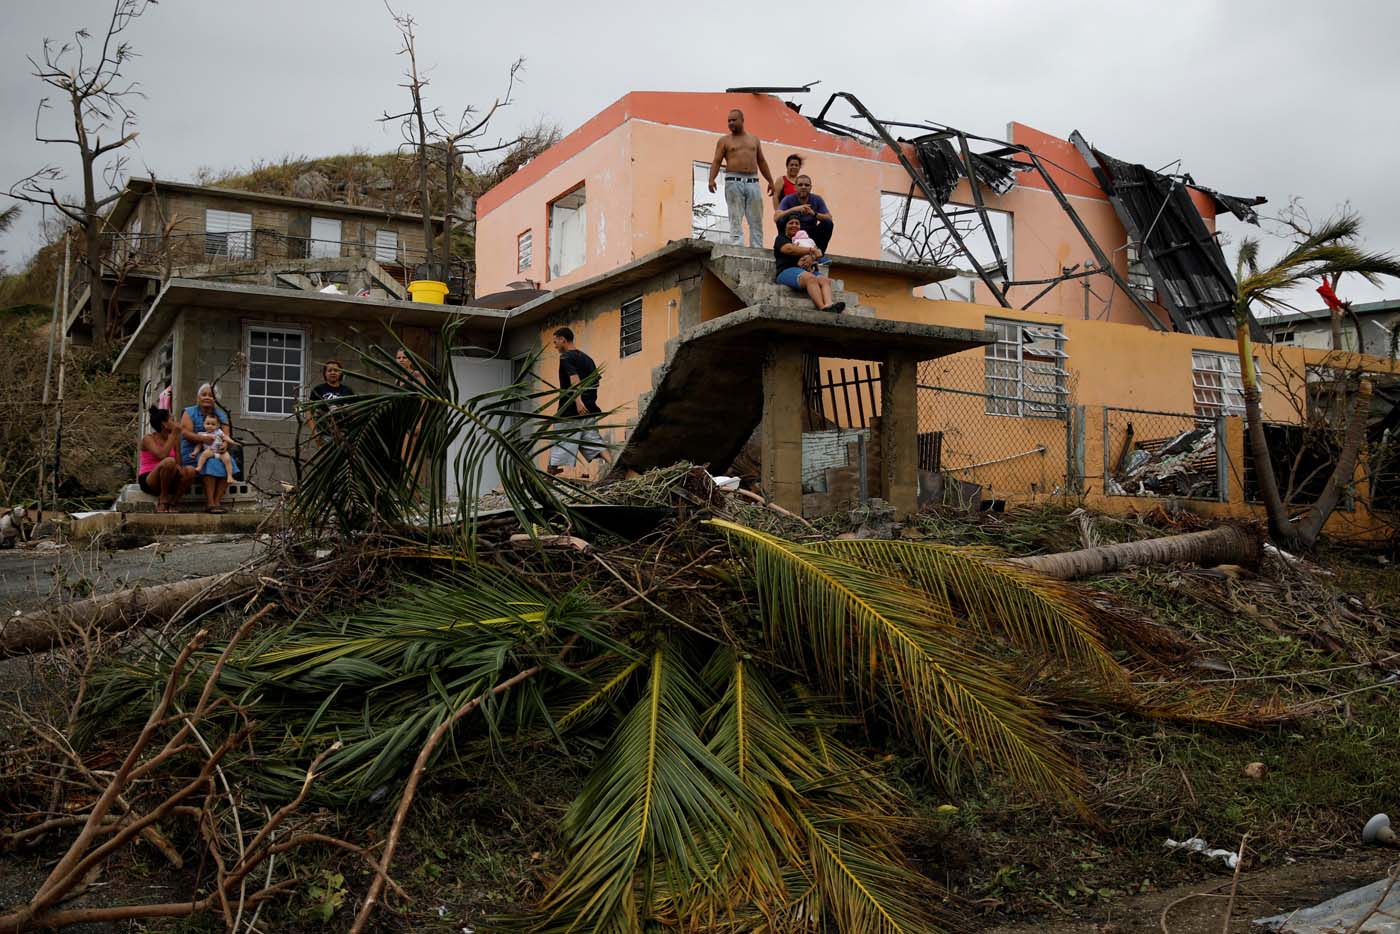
[(114, 612), (1225, 545)]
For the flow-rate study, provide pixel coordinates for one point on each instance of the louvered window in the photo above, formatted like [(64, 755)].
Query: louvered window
[(1025, 370), (631, 328)]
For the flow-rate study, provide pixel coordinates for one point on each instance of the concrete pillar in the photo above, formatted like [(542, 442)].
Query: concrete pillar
[(782, 425), (899, 431)]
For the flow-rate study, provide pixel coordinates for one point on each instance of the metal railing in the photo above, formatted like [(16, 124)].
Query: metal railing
[(261, 248)]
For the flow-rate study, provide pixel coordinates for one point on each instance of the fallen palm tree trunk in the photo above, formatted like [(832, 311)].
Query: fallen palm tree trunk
[(114, 612), (1225, 545)]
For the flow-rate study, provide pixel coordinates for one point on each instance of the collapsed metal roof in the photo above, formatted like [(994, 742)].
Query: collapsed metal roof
[(1194, 282)]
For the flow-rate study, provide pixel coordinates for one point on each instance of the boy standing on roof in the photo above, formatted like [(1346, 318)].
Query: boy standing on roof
[(741, 154)]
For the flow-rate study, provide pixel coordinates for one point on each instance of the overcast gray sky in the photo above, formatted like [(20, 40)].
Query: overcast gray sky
[(1276, 98)]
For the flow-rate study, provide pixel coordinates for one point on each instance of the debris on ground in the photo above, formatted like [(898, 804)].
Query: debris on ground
[(1198, 845), (1374, 909), (1185, 465)]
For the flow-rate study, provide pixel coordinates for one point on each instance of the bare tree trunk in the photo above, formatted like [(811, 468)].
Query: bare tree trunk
[(1336, 322), (1225, 545), (47, 629), (1280, 529), (1311, 525)]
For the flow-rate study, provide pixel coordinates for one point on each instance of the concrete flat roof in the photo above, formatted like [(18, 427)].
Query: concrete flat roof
[(831, 335), (136, 187), (680, 251), (238, 298)]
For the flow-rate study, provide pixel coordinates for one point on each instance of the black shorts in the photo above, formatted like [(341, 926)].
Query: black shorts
[(146, 487)]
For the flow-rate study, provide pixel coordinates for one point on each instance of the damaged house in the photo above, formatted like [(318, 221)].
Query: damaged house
[(1026, 317)]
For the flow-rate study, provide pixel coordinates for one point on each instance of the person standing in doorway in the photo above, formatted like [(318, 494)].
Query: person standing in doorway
[(575, 366), (741, 154), (330, 393), (811, 210)]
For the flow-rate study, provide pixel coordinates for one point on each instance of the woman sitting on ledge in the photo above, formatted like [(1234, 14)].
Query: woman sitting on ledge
[(160, 473), (799, 270), (215, 477)]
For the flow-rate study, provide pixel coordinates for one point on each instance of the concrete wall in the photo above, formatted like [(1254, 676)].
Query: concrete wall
[(670, 301), (186, 214), (636, 159), (207, 348)]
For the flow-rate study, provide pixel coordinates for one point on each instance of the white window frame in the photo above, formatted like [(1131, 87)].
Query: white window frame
[(386, 246), (524, 250), (323, 247), (1024, 372), (1217, 387), (237, 241), (575, 202), (709, 215), (254, 405)]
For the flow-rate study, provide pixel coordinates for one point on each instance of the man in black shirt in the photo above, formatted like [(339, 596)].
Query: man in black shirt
[(575, 366), (329, 392)]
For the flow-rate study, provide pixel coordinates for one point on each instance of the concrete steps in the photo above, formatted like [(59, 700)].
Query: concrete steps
[(240, 497)]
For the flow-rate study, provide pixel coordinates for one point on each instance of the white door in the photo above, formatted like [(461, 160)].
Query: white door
[(474, 376), (325, 237)]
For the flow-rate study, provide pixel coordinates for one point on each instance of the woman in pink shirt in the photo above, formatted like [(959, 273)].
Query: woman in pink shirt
[(161, 474)]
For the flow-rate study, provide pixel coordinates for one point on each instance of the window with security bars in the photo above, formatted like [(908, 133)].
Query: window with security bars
[(275, 371), (1139, 279), (1216, 385), (1025, 372), (631, 340), (524, 250)]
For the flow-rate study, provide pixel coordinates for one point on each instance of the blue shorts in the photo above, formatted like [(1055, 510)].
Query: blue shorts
[(789, 276)]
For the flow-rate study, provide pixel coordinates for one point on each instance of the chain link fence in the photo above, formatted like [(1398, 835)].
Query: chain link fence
[(1174, 454), (988, 442)]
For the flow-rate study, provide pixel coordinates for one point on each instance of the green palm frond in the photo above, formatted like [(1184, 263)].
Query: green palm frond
[(382, 679), (386, 458), (860, 632), (1032, 612), (598, 693), (1327, 251), (651, 813), (861, 881)]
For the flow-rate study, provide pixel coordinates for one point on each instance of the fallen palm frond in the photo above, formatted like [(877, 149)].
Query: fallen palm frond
[(865, 634), (650, 813), (379, 681), (1032, 612), (384, 464)]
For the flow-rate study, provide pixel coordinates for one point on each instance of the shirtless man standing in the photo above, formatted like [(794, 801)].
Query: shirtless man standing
[(741, 154)]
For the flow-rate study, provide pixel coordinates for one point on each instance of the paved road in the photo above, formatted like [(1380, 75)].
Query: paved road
[(28, 577)]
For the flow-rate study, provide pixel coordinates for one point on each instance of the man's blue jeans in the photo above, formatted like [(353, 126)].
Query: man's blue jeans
[(743, 195)]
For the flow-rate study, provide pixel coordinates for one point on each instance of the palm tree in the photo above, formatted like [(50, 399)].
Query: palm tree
[(1330, 250)]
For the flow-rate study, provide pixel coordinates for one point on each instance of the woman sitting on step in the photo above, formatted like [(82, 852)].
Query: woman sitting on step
[(213, 475), (160, 474), (798, 267)]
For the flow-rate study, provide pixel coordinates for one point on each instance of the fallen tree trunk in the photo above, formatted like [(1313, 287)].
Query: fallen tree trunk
[(114, 612), (1225, 545)]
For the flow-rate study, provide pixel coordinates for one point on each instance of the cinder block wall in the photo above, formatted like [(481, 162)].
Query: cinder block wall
[(824, 450)]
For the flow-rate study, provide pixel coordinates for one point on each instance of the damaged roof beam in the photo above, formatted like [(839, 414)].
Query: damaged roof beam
[(918, 180)]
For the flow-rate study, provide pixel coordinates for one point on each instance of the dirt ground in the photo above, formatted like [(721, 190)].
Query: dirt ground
[(1199, 908)]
